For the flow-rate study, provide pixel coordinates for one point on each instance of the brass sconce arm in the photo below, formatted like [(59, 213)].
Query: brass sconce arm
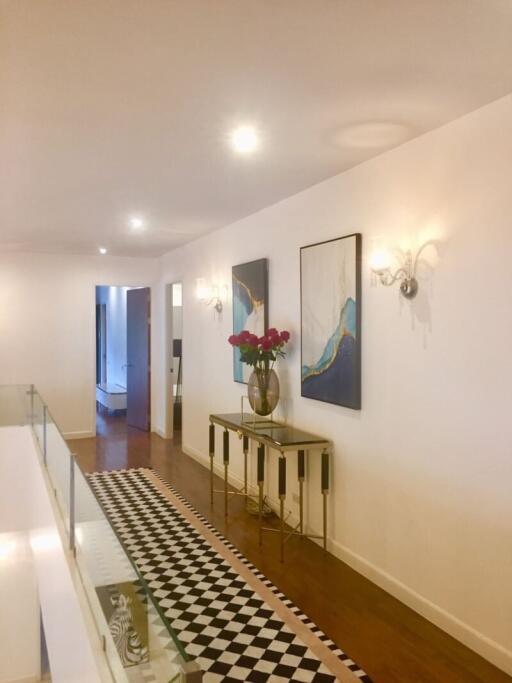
[(406, 275), (216, 303), (209, 294)]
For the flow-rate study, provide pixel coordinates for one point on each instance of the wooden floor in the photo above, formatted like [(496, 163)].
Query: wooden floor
[(388, 640)]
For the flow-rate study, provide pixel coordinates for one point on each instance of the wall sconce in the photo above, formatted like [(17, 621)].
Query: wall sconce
[(405, 274), (208, 294)]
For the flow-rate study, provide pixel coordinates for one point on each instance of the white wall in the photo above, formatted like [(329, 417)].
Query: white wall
[(422, 474), (47, 326)]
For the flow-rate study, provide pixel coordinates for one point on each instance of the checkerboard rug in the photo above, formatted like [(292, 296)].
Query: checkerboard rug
[(227, 615)]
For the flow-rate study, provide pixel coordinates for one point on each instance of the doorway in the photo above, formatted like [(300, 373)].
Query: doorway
[(123, 330), (174, 305)]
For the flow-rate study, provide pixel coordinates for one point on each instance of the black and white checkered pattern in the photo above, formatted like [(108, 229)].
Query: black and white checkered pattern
[(221, 622)]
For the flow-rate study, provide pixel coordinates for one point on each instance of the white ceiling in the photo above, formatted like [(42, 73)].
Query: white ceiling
[(109, 108)]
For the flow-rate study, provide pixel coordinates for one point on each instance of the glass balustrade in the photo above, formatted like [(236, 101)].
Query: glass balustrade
[(138, 640)]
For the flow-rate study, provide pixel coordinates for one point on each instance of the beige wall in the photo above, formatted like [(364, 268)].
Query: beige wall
[(421, 498), (47, 326)]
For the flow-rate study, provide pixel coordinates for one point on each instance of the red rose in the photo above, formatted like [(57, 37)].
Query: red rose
[(253, 340), (266, 344), (275, 339), (234, 340), (244, 336), (285, 336), (272, 332)]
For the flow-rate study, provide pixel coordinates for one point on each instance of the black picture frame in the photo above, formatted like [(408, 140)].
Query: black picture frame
[(250, 298), (335, 376)]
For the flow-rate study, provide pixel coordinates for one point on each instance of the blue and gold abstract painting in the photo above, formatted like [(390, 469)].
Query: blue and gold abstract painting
[(250, 307), (331, 321)]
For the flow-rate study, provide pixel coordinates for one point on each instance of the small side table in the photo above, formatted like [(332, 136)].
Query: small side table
[(278, 437)]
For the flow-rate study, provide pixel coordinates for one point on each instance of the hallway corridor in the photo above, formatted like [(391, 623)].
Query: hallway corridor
[(388, 640)]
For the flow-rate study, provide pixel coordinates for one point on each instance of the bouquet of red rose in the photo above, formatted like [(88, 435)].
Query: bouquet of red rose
[(260, 352)]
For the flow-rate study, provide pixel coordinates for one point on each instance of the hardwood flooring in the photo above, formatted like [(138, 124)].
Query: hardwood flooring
[(388, 640)]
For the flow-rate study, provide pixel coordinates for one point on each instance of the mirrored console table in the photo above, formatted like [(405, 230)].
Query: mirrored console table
[(283, 439)]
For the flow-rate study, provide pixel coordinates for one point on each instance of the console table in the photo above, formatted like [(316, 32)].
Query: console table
[(284, 439)]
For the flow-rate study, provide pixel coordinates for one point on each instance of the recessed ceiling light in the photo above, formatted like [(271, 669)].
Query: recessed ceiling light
[(102, 250), (245, 140), (137, 223)]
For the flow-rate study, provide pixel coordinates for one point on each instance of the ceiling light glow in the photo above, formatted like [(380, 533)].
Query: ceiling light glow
[(7, 547), (137, 223), (102, 250), (245, 140)]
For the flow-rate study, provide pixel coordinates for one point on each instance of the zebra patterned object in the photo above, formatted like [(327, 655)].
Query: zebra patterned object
[(127, 621)]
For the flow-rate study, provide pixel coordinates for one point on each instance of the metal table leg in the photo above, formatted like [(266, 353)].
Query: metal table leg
[(212, 454), (282, 496), (301, 470), (246, 451), (225, 455), (261, 481), (325, 491)]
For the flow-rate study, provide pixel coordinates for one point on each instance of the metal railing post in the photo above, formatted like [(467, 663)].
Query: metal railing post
[(191, 673), (45, 441), (72, 546), (32, 390)]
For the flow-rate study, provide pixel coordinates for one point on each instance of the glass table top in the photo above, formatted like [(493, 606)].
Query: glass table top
[(266, 429)]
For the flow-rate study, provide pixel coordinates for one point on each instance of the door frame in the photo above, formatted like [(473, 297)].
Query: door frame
[(94, 431)]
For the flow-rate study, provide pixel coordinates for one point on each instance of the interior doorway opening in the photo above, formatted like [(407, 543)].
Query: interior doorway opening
[(123, 330), (174, 304)]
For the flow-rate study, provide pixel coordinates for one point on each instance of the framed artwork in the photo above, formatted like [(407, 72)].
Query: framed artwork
[(250, 307), (330, 287)]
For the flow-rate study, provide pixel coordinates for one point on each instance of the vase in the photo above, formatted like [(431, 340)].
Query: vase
[(263, 391)]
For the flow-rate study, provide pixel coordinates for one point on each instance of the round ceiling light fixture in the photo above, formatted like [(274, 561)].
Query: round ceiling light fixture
[(137, 223), (102, 250), (245, 139)]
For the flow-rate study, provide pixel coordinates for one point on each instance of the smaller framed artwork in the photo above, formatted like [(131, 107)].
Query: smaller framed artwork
[(330, 285), (250, 307)]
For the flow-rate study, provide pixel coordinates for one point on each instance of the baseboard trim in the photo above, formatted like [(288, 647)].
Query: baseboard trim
[(86, 434), (233, 480), (464, 633)]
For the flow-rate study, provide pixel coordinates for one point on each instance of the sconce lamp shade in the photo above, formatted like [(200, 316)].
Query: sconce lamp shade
[(405, 274), (202, 289), (380, 260), (208, 294)]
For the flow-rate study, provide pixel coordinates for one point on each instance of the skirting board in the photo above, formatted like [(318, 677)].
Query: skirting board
[(86, 434), (466, 634), (161, 433)]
